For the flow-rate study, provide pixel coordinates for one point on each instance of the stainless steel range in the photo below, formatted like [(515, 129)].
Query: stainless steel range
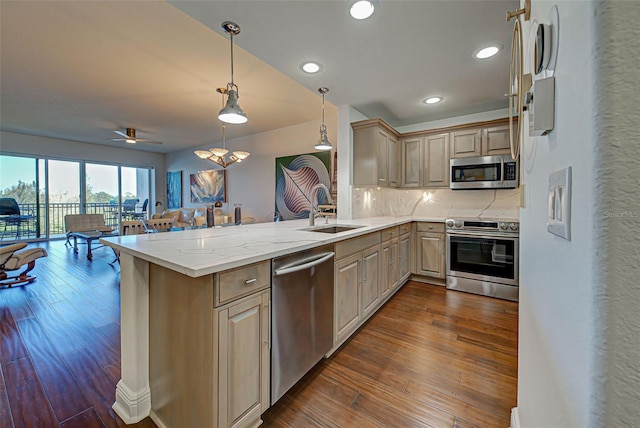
[(482, 257)]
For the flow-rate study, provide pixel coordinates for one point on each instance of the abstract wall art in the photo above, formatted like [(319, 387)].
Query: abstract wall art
[(295, 177), (208, 186), (174, 189)]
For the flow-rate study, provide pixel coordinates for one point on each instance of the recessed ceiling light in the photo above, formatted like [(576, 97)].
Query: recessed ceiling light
[(487, 52), (310, 67), (432, 100), (362, 9)]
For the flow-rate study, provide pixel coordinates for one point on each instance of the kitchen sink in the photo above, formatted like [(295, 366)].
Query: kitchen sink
[(334, 228)]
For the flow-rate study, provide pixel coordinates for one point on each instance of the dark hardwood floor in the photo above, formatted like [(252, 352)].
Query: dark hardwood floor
[(429, 358)]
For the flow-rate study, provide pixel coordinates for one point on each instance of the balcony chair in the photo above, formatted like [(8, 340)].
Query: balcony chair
[(12, 259), (129, 208), (143, 214)]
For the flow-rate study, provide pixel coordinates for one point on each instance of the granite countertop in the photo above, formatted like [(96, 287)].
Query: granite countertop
[(201, 252)]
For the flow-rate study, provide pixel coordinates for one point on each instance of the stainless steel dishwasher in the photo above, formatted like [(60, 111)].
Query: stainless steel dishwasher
[(302, 315)]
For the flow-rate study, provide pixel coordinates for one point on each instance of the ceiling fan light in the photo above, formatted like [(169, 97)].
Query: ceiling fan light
[(232, 112), (203, 154), (130, 141)]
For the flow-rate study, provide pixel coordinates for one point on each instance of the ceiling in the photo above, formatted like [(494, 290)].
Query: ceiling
[(83, 69)]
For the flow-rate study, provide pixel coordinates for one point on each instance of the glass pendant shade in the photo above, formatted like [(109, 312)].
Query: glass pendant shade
[(232, 112), (203, 154), (241, 155), (219, 152)]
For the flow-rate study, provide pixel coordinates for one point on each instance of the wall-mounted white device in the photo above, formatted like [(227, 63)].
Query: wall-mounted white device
[(559, 204), (540, 103)]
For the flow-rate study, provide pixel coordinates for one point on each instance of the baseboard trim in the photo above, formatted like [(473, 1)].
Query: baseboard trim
[(157, 420), (131, 406), (515, 418)]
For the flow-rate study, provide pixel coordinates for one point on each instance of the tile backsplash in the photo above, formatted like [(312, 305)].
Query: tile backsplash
[(435, 203)]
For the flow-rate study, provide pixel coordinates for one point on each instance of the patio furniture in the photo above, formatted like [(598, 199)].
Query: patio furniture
[(11, 216), (129, 208), (84, 223), (141, 215), (11, 258)]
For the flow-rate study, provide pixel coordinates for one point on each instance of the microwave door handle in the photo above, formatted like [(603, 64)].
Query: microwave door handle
[(502, 183)]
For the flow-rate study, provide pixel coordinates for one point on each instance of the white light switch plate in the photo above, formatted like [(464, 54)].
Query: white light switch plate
[(559, 204)]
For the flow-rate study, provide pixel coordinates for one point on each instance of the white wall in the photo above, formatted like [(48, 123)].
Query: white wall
[(454, 121), (618, 294), (346, 115), (558, 278), (252, 182), (44, 147)]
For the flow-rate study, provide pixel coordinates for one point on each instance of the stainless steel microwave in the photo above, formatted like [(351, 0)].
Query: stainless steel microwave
[(484, 172)]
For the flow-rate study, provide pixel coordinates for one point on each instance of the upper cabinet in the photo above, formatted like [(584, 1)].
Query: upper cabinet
[(375, 154), (425, 161), (480, 141), (382, 157), (466, 143), (495, 141)]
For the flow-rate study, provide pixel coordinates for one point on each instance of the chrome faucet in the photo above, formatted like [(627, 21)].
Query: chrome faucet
[(312, 214)]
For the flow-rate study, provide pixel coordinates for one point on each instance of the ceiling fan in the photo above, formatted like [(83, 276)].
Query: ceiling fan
[(130, 137)]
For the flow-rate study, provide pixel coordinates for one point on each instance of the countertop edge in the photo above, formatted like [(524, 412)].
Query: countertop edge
[(307, 240)]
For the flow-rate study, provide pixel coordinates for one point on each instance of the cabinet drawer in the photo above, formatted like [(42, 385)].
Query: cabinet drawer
[(404, 228), (389, 233), (235, 283), (350, 246), (430, 227)]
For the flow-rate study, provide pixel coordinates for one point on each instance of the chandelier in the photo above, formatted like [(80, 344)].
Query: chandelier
[(218, 155)]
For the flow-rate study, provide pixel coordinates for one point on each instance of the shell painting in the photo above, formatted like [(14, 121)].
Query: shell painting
[(295, 177)]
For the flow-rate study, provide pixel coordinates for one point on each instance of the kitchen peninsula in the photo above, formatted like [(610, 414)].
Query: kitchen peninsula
[(195, 305)]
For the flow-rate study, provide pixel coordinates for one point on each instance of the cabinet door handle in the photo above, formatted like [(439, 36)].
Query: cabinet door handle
[(250, 281), (364, 270)]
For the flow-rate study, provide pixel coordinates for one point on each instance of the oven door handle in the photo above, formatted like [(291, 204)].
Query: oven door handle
[(486, 235)]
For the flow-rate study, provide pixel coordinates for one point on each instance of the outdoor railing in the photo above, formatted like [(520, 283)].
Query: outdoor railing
[(35, 227)]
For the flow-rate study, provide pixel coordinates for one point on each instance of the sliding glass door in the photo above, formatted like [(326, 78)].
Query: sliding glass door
[(36, 194), (64, 194), (19, 218)]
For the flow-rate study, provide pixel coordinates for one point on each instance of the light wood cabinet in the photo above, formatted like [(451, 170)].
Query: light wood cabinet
[(375, 154), (411, 162), (209, 361), (347, 310), (425, 161), (495, 141), (404, 257), (488, 140), (243, 361), (466, 143), (430, 254), (436, 161), (370, 296)]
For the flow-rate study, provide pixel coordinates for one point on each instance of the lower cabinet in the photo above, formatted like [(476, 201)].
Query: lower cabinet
[(356, 290), (209, 347), (404, 257), (243, 361), (430, 250), (390, 266)]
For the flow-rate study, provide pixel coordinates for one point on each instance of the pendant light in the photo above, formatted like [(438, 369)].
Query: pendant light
[(323, 143), (218, 155), (231, 112)]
